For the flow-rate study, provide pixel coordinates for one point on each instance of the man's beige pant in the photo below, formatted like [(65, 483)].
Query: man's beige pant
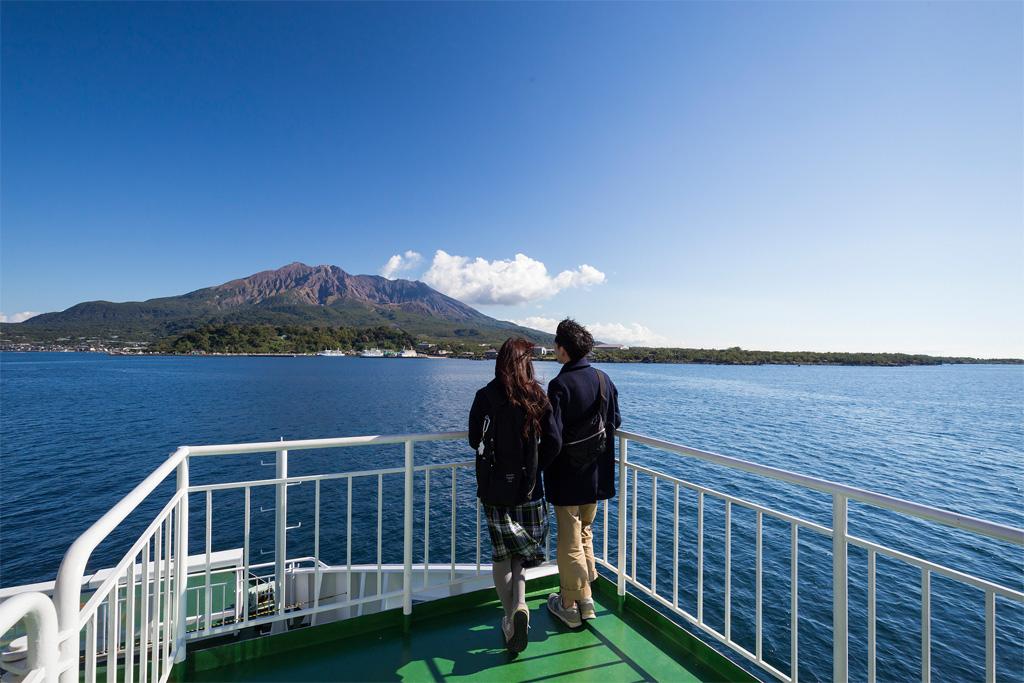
[(576, 568)]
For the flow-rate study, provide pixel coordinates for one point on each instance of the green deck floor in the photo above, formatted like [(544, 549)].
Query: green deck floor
[(466, 645)]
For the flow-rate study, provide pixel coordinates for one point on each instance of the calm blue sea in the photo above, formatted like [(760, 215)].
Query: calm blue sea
[(78, 431)]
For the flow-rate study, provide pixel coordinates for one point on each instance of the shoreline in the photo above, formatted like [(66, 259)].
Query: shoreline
[(601, 360)]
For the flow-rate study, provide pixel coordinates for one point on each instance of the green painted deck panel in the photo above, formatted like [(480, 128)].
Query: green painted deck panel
[(466, 646)]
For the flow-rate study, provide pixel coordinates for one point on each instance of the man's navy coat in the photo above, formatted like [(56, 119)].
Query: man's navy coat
[(575, 397)]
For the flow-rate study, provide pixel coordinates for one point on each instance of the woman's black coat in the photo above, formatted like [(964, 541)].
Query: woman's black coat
[(550, 438)]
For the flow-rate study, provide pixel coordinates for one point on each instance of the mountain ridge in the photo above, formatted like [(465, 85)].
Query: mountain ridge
[(295, 294)]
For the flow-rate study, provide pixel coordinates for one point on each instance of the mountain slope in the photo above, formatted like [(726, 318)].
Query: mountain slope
[(296, 294)]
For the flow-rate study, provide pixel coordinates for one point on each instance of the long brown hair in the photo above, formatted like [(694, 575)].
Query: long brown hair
[(514, 369)]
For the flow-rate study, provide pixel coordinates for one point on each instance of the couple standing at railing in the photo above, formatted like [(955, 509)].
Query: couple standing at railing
[(534, 448)]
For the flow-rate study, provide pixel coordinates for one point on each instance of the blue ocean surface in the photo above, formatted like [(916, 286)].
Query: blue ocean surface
[(79, 431)]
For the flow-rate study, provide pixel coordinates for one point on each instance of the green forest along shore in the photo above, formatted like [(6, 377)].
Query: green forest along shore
[(269, 339)]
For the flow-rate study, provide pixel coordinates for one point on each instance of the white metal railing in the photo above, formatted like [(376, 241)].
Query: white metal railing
[(151, 576), (841, 540), (142, 606), (35, 611), (147, 577), (137, 620), (290, 608)]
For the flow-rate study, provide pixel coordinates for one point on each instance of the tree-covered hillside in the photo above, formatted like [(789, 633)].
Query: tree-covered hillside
[(738, 356), (286, 339)]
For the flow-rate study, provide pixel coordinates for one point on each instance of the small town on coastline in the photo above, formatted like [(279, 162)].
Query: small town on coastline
[(116, 347), (603, 353)]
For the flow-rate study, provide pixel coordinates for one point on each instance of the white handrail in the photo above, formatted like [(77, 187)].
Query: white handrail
[(306, 444), (68, 587), (41, 624), (979, 526)]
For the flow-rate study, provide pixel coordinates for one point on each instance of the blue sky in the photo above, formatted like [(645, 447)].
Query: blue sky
[(827, 176)]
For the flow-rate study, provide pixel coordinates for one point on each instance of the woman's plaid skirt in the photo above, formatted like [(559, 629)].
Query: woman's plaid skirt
[(520, 530)]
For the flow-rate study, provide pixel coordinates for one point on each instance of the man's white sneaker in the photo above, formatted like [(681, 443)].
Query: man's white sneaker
[(569, 616), (587, 609)]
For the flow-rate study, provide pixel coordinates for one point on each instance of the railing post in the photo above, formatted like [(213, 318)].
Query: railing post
[(840, 662), (67, 625), (281, 530), (407, 537), (621, 573), (180, 563)]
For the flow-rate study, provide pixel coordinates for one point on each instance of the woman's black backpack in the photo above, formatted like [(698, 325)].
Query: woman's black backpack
[(506, 463), (586, 441)]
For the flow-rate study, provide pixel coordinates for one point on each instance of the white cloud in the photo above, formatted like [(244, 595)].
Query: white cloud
[(400, 263), (584, 276), (537, 322), (633, 334), (504, 282), (17, 317)]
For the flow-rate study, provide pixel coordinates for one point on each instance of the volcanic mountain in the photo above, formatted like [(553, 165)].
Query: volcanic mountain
[(296, 294)]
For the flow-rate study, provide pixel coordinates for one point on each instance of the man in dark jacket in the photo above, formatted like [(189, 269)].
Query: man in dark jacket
[(583, 472)]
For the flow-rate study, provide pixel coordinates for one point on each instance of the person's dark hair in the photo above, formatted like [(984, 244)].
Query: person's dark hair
[(514, 368), (574, 338)]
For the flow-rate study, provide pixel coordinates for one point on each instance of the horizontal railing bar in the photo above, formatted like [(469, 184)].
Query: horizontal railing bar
[(289, 564), (293, 615), (290, 480), (200, 488), (969, 579), (811, 526), (932, 514), (444, 466), (307, 444), (387, 568)]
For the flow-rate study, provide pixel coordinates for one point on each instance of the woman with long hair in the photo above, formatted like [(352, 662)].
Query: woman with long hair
[(512, 430)]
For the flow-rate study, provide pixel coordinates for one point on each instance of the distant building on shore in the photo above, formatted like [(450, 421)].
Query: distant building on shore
[(490, 354), (541, 351), (609, 347)]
